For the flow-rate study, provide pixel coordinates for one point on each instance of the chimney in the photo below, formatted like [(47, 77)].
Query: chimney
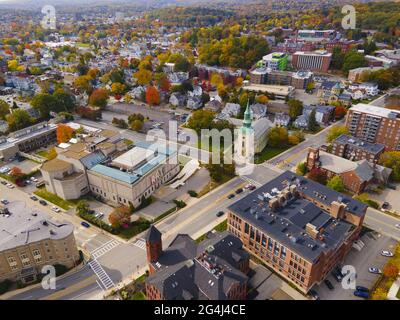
[(274, 204), (312, 230), (337, 210)]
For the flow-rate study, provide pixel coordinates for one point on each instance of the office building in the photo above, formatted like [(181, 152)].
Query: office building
[(297, 227), (275, 61), (317, 61)]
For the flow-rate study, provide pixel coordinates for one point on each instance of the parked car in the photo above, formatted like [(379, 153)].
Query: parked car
[(3, 182), (314, 294), (34, 198), (361, 288), (231, 196), (34, 179), (387, 253), (10, 186), (397, 225), (220, 213), (99, 215), (85, 224), (238, 191), (252, 187), (337, 274), (4, 201), (385, 205), (329, 284), (392, 186), (56, 209), (42, 202), (374, 270), (361, 294)]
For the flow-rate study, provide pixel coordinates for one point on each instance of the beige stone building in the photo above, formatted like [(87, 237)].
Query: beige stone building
[(29, 241)]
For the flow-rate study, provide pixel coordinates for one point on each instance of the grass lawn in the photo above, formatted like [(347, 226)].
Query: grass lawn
[(398, 294), (138, 296), (64, 204), (128, 142), (134, 229), (212, 185), (268, 153)]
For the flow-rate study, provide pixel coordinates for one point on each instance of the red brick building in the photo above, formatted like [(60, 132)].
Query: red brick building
[(299, 228), (318, 61)]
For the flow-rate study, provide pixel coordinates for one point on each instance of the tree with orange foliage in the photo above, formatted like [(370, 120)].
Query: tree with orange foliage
[(120, 216), (64, 133), (340, 112), (99, 98), (152, 96), (15, 172), (390, 271)]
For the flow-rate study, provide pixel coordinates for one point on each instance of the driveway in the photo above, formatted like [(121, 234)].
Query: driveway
[(369, 256), (389, 195)]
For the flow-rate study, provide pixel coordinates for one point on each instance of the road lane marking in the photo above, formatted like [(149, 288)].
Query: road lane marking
[(71, 289)]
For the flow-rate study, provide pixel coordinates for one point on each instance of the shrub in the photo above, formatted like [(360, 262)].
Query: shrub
[(192, 193), (180, 204)]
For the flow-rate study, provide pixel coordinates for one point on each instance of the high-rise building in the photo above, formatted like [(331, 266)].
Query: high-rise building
[(298, 227), (375, 125)]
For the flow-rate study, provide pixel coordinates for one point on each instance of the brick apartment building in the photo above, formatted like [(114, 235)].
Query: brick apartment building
[(374, 124), (298, 80), (356, 176), (298, 227), (318, 61), (355, 149), (214, 269)]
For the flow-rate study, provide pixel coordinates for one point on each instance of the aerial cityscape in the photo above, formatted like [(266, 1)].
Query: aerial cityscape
[(200, 150)]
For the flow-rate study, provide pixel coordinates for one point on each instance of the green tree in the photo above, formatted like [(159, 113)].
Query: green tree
[(295, 108), (337, 58), (336, 183), (82, 207), (4, 109), (353, 60), (391, 159), (301, 169), (18, 120), (201, 119), (44, 103), (137, 125), (278, 137), (336, 132), (312, 122)]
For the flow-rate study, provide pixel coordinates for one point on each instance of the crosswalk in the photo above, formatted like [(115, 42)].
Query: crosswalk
[(141, 244), (103, 277), (103, 249)]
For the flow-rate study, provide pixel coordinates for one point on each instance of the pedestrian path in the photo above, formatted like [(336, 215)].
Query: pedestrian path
[(103, 277), (141, 244)]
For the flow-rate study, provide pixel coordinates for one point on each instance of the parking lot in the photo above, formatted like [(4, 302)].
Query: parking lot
[(389, 195), (369, 256)]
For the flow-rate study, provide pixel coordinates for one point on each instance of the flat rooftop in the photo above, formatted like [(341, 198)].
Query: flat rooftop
[(376, 111), (287, 224), (23, 227), (278, 90), (134, 157), (370, 147)]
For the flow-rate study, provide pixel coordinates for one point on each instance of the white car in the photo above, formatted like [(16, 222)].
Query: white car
[(56, 209), (34, 179), (99, 215), (397, 225), (374, 270), (386, 253), (10, 186)]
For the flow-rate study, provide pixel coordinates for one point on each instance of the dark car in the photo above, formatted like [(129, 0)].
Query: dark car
[(251, 188), (329, 284), (314, 294), (34, 198), (360, 288), (3, 182), (361, 294), (392, 186), (231, 196), (337, 274), (220, 213), (238, 191), (85, 224), (385, 205), (43, 203)]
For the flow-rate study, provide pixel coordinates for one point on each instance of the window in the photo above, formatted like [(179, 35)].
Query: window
[(246, 228), (12, 263), (25, 259), (36, 254)]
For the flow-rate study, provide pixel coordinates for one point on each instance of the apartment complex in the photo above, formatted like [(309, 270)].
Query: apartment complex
[(318, 61), (375, 125), (355, 149), (29, 241), (26, 140), (214, 269), (100, 162), (298, 227)]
